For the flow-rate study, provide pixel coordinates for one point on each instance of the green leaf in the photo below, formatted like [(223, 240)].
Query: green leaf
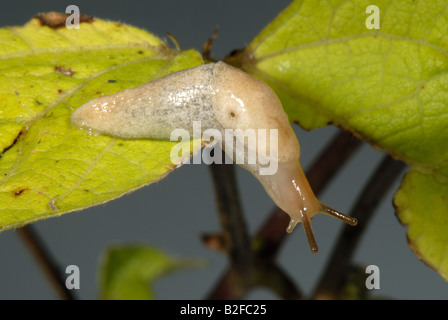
[(388, 86), (47, 166), (423, 203), (128, 272)]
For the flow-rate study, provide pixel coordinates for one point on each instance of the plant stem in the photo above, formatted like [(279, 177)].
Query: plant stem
[(231, 215), (271, 276), (377, 187), (45, 261), (231, 286)]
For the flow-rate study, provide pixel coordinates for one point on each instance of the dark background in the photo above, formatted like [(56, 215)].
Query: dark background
[(173, 213)]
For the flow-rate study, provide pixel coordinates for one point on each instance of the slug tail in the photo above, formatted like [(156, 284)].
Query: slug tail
[(339, 215)]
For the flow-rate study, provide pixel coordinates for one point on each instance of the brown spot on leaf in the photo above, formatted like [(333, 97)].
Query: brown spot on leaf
[(14, 142), (64, 71), (17, 192), (56, 20)]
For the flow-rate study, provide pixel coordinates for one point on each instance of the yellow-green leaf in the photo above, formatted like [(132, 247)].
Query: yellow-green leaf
[(388, 86), (47, 166), (423, 203), (128, 272)]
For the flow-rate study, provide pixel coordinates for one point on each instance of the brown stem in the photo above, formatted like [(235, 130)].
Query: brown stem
[(378, 185), (265, 273), (231, 286), (271, 276), (45, 261), (235, 231), (207, 48)]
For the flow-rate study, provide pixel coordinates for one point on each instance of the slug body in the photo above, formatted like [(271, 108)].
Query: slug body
[(221, 97)]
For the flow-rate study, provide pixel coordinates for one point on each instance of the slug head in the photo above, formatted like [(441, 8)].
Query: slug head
[(292, 193)]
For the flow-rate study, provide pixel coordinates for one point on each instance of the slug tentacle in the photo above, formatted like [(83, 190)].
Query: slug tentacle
[(309, 232), (221, 98), (294, 195), (339, 215)]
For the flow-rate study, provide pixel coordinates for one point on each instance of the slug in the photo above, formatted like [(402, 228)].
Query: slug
[(219, 96)]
